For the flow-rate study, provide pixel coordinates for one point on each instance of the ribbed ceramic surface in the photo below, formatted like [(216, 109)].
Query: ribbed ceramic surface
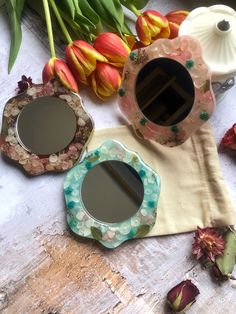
[(219, 47)]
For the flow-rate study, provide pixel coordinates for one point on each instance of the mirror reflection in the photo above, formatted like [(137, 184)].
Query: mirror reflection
[(46, 125), (164, 91), (112, 191)]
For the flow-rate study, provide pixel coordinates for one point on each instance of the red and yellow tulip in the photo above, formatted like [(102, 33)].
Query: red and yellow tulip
[(152, 25), (113, 48), (175, 18), (58, 68), (105, 80), (82, 59)]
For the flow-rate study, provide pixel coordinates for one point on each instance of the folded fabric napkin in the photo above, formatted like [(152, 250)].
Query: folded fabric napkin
[(193, 191)]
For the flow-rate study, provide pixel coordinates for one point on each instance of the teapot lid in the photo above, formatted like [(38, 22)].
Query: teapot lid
[(215, 28)]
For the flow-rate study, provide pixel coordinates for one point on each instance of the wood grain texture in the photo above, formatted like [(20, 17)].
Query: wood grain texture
[(43, 267)]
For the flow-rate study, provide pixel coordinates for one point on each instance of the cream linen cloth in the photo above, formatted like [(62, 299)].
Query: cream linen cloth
[(193, 192)]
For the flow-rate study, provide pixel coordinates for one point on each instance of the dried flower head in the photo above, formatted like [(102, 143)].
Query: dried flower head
[(208, 243), (24, 84)]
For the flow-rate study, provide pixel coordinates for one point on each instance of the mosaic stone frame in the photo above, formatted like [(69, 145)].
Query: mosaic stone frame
[(39, 164), (187, 51), (111, 235)]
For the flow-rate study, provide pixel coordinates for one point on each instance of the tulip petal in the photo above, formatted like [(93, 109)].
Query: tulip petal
[(76, 68), (89, 51), (113, 48), (64, 74), (143, 31), (105, 80), (48, 71)]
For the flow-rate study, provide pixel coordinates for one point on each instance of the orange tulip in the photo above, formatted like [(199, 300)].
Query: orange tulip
[(150, 26), (82, 58), (113, 48), (175, 18), (105, 80), (58, 68)]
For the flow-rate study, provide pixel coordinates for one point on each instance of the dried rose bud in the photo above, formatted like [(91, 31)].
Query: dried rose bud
[(229, 139), (208, 243), (175, 18), (182, 296)]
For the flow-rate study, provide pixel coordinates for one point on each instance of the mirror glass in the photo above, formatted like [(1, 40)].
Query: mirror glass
[(46, 125), (112, 191), (164, 91)]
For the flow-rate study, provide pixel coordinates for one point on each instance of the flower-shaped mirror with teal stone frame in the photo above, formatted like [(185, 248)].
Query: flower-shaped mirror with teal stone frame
[(112, 195)]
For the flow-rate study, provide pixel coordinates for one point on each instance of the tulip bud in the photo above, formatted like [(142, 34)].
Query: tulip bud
[(58, 68), (152, 25), (113, 48), (182, 296), (229, 139), (82, 58), (175, 18), (105, 80)]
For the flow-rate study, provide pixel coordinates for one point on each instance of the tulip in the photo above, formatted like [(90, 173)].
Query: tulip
[(229, 139), (58, 68), (113, 48), (105, 80), (82, 58), (182, 296), (175, 18), (150, 26)]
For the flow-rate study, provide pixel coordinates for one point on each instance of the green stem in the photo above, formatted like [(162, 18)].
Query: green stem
[(49, 28), (133, 8), (60, 21)]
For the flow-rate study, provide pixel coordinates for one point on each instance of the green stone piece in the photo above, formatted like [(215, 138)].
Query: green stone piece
[(204, 116), (121, 92), (189, 64), (175, 129), (132, 55), (142, 173), (143, 121)]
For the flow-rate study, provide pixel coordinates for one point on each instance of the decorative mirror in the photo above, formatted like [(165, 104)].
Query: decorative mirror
[(112, 195), (45, 128), (166, 92)]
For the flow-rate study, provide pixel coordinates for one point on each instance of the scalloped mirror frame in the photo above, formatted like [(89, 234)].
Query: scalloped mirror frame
[(38, 164), (187, 51), (111, 235)]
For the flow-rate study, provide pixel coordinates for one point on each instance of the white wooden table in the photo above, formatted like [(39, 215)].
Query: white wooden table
[(43, 268)]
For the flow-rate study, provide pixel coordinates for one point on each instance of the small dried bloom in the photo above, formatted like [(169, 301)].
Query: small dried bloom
[(182, 296), (208, 243), (24, 84)]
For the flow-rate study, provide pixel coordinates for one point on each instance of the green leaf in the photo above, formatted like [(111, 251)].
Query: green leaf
[(68, 6), (110, 12), (96, 233), (142, 231), (139, 4), (14, 10), (227, 261), (88, 12)]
